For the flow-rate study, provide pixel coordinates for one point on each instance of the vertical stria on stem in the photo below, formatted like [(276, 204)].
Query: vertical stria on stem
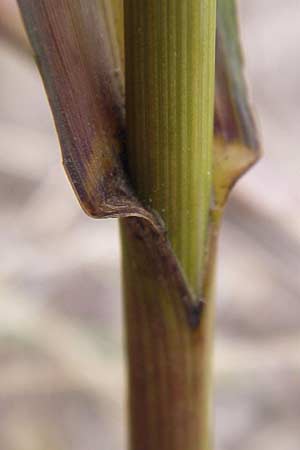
[(170, 88), (169, 58)]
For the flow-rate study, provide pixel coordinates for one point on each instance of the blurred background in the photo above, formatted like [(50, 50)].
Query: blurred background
[(61, 351)]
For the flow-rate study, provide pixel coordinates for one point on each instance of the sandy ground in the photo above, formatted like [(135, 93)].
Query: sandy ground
[(61, 355)]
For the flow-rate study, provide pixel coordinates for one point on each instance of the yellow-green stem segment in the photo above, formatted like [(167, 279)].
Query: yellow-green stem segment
[(169, 55), (170, 46)]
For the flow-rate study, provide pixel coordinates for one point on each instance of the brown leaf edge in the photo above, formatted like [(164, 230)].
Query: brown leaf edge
[(75, 49), (236, 141)]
